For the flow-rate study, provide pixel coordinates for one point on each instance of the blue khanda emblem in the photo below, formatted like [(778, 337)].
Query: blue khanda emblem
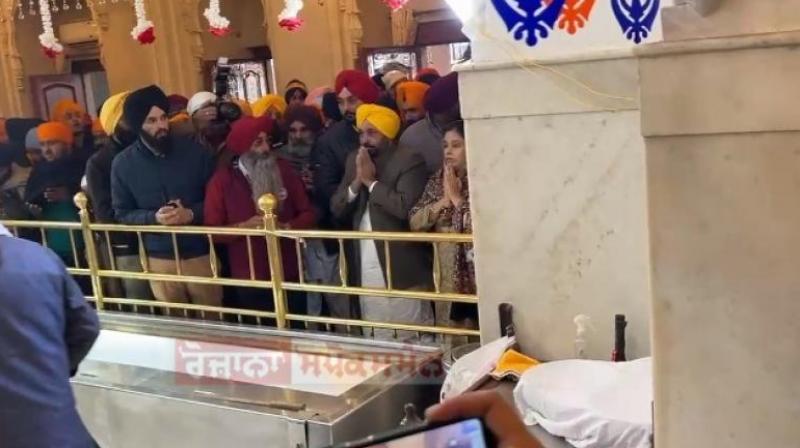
[(530, 20), (636, 17)]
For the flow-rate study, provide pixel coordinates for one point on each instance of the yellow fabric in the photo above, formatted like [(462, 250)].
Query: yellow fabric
[(514, 364), (412, 93), (111, 112), (55, 131), (247, 111), (62, 107), (384, 119), (266, 103)]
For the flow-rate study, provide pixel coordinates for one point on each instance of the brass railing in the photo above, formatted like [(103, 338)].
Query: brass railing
[(96, 271)]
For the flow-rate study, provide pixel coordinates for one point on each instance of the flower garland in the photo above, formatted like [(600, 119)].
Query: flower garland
[(288, 19), (218, 25), (395, 5), (144, 29), (48, 39)]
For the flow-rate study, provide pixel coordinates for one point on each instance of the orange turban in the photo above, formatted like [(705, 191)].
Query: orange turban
[(55, 131), (63, 107), (412, 94), (267, 103)]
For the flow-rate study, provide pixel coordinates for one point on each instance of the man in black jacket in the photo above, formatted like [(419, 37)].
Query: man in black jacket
[(124, 247), (162, 180), (328, 158)]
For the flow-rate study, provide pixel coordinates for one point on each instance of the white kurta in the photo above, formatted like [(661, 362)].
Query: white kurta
[(386, 309)]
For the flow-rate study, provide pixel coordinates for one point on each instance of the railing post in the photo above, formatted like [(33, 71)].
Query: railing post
[(91, 250), (268, 205)]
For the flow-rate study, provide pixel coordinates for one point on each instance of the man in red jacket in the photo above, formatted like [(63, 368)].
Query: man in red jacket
[(231, 200)]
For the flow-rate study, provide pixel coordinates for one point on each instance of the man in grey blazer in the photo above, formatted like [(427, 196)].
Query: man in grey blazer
[(380, 186)]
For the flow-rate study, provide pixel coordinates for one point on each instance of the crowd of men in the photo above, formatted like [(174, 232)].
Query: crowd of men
[(370, 154)]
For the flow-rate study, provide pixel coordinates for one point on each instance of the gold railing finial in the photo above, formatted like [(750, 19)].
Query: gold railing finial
[(268, 203), (81, 201)]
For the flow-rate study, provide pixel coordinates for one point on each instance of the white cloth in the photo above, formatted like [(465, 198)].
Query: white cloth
[(387, 309), (4, 231), (592, 404), (200, 100)]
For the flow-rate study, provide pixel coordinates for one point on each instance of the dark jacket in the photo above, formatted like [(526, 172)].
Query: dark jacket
[(229, 201), (328, 163), (425, 138), (402, 177), (46, 329), (143, 182), (98, 179)]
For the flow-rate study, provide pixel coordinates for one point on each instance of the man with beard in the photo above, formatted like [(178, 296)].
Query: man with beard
[(353, 88), (380, 186), (303, 125), (124, 247), (411, 101), (425, 136), (231, 200), (74, 116), (52, 185), (161, 180)]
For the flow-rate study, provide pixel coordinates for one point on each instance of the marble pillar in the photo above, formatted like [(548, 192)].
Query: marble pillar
[(722, 125), (557, 180)]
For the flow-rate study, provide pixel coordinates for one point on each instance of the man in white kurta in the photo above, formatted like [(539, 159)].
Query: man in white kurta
[(380, 186)]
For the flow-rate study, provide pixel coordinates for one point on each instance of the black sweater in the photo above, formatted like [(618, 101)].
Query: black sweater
[(143, 182)]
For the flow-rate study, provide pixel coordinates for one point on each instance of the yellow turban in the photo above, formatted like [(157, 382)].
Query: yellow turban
[(55, 131), (63, 107), (412, 94), (247, 111), (111, 112), (384, 119), (263, 106)]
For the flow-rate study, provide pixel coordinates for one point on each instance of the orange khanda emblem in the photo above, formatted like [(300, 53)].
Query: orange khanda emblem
[(574, 15)]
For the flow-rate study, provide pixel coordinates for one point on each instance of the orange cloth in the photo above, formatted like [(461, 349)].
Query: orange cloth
[(55, 131), (412, 94), (181, 117), (513, 364), (62, 107)]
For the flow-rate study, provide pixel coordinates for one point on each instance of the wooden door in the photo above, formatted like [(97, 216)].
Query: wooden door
[(50, 89)]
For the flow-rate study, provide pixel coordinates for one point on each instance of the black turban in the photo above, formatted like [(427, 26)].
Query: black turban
[(139, 103)]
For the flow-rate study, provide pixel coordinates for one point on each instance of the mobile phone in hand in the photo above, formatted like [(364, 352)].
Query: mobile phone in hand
[(469, 433)]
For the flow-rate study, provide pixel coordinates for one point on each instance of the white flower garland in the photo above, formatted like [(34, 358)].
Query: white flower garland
[(288, 17), (48, 38), (143, 31), (219, 25)]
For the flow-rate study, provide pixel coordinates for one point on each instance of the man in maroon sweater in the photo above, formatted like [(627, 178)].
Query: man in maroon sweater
[(231, 200)]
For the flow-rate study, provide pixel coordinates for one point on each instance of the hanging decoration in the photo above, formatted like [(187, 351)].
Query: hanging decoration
[(218, 25), (636, 17), (532, 20), (288, 19), (48, 39), (395, 5), (144, 31)]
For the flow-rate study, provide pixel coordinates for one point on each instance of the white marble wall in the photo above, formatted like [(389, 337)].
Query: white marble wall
[(722, 130), (557, 176)]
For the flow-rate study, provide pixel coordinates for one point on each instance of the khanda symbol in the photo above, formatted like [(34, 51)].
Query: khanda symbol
[(530, 20), (636, 17)]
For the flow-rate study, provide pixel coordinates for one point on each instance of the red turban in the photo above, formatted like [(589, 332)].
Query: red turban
[(245, 131), (443, 94), (359, 84)]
